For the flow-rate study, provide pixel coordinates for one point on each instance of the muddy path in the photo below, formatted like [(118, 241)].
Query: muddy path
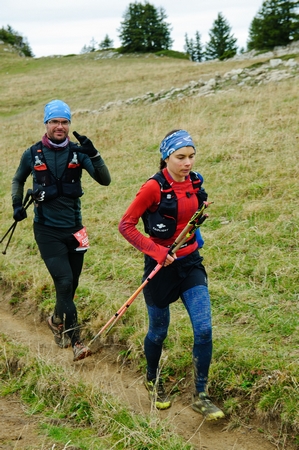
[(115, 378)]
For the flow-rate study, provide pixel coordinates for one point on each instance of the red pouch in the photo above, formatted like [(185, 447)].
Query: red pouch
[(82, 238)]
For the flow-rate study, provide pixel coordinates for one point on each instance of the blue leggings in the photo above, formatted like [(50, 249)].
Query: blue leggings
[(197, 303)]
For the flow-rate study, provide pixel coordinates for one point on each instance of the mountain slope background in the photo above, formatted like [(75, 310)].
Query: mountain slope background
[(242, 115)]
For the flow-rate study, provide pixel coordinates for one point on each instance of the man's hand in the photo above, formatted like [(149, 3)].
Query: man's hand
[(86, 145), (19, 212)]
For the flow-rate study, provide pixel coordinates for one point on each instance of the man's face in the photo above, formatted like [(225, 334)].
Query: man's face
[(57, 129)]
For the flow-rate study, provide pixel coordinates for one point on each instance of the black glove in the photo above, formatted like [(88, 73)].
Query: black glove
[(86, 145), (19, 212)]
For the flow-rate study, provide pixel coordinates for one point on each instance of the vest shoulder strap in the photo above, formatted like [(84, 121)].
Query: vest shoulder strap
[(196, 179), (39, 145), (160, 178), (36, 146)]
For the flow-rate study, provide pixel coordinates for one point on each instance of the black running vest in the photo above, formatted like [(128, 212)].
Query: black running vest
[(69, 185), (162, 222)]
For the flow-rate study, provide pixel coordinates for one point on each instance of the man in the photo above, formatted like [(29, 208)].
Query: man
[(56, 166)]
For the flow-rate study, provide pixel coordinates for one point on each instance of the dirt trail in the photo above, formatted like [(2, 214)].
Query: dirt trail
[(104, 370)]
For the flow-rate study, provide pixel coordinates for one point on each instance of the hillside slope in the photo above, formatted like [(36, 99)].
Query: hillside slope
[(242, 114)]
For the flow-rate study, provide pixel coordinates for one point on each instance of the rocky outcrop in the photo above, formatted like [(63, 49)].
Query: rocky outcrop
[(273, 70)]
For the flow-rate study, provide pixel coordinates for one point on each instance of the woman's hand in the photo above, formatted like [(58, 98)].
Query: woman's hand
[(169, 259)]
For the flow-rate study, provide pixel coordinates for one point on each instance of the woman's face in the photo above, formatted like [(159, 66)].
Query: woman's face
[(180, 163)]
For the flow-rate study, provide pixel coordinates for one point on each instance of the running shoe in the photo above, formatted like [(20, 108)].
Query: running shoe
[(157, 393), (80, 351), (60, 337), (203, 405)]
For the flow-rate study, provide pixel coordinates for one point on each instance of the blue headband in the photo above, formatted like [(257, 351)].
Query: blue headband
[(57, 108), (176, 140)]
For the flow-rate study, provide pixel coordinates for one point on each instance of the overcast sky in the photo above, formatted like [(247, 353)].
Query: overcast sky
[(62, 27)]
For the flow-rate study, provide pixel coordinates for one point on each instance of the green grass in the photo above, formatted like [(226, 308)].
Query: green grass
[(172, 54), (76, 413), (247, 145)]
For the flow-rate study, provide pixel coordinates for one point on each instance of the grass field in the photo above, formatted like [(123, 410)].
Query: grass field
[(247, 150)]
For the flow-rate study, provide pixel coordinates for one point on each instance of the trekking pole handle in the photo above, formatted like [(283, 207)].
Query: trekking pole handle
[(27, 196), (188, 234), (194, 223)]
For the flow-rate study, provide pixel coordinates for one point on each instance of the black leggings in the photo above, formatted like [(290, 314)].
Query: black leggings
[(57, 248)]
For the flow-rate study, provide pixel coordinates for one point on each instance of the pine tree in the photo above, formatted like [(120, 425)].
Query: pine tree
[(194, 49), (188, 47), (144, 29), (275, 24), (106, 43), (222, 43), (89, 48), (198, 50)]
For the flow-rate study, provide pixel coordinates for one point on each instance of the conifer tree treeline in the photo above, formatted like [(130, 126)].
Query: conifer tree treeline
[(144, 29), (10, 36), (194, 48), (222, 43), (276, 24)]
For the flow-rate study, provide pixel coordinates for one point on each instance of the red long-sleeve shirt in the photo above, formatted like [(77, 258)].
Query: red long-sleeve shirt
[(148, 197)]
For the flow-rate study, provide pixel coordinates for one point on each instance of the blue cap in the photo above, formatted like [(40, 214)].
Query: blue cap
[(56, 109)]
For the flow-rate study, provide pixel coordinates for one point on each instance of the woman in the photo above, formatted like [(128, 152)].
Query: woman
[(166, 202)]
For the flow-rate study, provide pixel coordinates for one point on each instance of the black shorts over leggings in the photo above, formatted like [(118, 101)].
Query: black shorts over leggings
[(170, 282)]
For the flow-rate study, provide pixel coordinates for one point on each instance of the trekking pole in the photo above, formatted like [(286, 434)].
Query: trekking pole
[(9, 229), (194, 223), (181, 239), (12, 228)]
